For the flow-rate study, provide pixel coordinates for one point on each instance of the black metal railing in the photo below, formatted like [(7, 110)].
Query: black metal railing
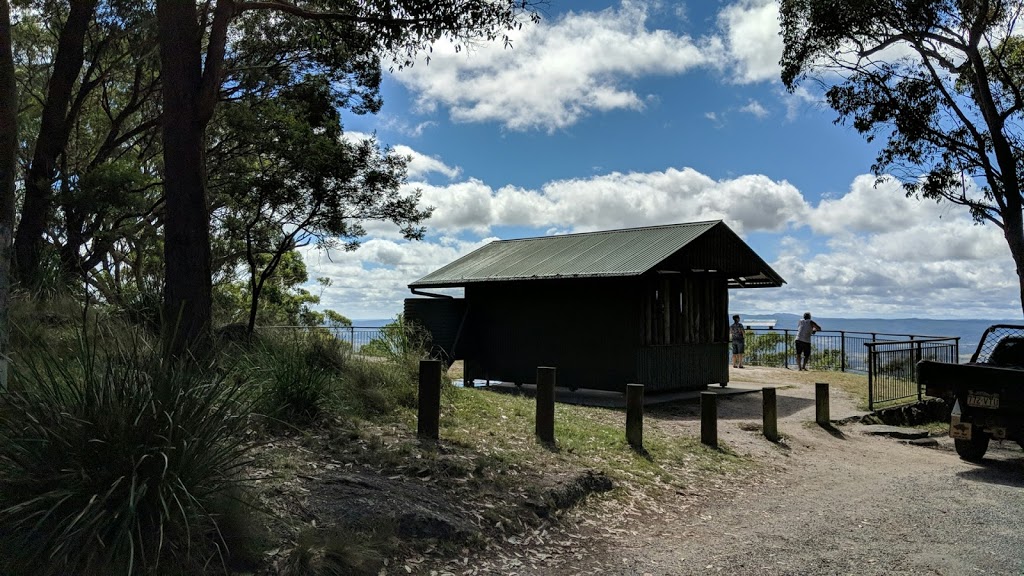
[(889, 360), (892, 373), (840, 350), (357, 337)]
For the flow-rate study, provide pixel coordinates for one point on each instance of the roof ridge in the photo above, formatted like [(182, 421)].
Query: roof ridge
[(616, 230)]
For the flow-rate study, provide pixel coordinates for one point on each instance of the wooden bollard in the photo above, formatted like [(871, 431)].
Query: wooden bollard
[(635, 415), (770, 414), (545, 426), (821, 415), (428, 418), (709, 419)]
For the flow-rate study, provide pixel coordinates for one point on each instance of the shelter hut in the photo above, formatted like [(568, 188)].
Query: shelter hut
[(643, 305)]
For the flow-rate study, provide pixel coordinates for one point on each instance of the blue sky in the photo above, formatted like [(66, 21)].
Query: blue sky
[(634, 113)]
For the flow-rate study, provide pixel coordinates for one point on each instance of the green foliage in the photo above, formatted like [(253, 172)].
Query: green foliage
[(939, 82), (116, 463), (298, 385), (374, 388), (399, 341), (826, 359), (767, 348)]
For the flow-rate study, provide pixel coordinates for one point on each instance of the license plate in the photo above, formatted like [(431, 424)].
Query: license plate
[(982, 400)]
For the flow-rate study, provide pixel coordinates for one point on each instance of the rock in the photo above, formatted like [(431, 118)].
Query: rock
[(895, 432)]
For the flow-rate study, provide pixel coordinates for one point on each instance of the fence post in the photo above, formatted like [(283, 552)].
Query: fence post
[(428, 418), (635, 415), (709, 419), (769, 414), (913, 369), (871, 376), (545, 418), (821, 415), (842, 351), (785, 356)]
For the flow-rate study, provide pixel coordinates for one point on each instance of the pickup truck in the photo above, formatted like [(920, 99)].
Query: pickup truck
[(986, 394)]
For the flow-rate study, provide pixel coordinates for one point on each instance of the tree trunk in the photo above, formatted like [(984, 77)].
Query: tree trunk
[(1013, 231), (53, 136), (187, 281), (8, 164)]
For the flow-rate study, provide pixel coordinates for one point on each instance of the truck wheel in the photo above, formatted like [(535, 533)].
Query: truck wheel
[(972, 450)]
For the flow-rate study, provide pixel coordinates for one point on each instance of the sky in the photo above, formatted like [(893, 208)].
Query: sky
[(615, 114)]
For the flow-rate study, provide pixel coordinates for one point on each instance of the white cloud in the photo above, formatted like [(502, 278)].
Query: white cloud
[(755, 108), (870, 252), (420, 164), (877, 253), (752, 30), (558, 72), (617, 200)]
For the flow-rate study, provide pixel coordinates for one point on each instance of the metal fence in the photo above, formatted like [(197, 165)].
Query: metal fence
[(355, 336), (889, 360), (841, 350), (892, 373)]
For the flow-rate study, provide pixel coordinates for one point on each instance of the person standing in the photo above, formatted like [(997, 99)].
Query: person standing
[(805, 328), (738, 336)]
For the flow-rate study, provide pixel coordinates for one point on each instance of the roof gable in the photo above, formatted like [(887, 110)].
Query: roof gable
[(613, 253)]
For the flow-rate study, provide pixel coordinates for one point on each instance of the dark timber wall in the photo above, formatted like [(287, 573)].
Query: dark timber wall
[(667, 331)]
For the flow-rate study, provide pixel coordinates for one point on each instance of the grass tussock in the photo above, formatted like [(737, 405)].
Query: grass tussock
[(118, 462)]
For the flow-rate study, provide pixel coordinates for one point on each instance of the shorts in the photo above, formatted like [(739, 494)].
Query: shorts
[(737, 346), (803, 348)]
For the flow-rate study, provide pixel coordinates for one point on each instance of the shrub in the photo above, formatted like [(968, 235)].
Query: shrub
[(375, 388), (112, 463), (296, 388)]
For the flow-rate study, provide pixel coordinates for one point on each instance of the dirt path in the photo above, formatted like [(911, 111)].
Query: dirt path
[(826, 503), (838, 504)]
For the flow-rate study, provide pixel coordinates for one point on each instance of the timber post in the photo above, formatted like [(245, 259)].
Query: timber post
[(821, 415), (635, 415), (770, 414), (428, 418), (709, 419), (545, 418)]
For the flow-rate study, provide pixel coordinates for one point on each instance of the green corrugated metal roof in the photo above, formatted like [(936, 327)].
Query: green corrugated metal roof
[(627, 252)]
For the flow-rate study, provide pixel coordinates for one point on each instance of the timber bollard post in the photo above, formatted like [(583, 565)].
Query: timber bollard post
[(545, 426), (709, 419), (428, 418), (821, 415), (770, 414), (635, 415)]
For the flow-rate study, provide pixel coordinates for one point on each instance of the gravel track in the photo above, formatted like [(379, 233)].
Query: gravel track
[(837, 502)]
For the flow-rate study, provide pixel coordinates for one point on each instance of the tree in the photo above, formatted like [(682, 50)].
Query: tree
[(59, 108), (8, 166), (88, 80), (941, 81), (192, 80), (291, 180)]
